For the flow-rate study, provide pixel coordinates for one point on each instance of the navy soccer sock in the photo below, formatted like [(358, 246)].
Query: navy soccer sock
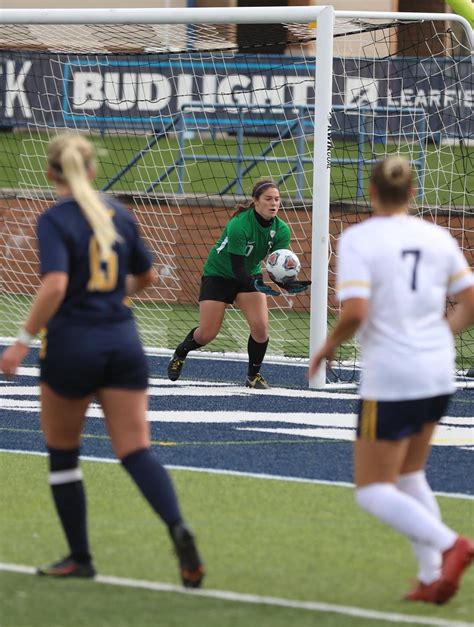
[(187, 345), (256, 351), (65, 479), (154, 483)]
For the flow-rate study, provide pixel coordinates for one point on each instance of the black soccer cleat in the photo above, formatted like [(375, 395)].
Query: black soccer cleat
[(257, 382), (190, 563), (67, 567), (175, 366)]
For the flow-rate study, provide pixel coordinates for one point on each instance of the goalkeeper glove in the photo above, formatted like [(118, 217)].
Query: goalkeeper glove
[(295, 287), (260, 286)]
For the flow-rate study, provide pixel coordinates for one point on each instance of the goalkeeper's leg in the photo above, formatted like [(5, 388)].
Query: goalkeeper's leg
[(254, 307), (176, 362), (211, 315)]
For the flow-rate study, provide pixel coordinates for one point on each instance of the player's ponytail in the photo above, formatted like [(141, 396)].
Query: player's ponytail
[(70, 157), (258, 189), (393, 180)]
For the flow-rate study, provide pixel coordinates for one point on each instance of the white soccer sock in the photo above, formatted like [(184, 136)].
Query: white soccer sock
[(404, 514), (429, 559)]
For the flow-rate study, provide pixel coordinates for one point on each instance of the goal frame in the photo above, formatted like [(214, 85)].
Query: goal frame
[(324, 18)]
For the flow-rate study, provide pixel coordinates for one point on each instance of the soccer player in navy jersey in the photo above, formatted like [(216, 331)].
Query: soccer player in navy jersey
[(91, 258), (232, 274), (395, 273)]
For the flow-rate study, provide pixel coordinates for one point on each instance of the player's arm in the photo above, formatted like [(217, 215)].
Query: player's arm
[(137, 283), (141, 272), (240, 273), (47, 301), (462, 316), (54, 266), (237, 244), (48, 298), (238, 268), (354, 291), (283, 235), (354, 311), (461, 288)]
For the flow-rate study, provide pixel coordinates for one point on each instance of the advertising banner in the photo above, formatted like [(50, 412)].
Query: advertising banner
[(146, 91)]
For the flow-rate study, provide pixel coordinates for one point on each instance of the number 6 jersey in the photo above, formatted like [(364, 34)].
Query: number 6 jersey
[(406, 268), (96, 288)]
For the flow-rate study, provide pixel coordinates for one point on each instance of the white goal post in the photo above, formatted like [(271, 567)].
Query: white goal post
[(362, 105)]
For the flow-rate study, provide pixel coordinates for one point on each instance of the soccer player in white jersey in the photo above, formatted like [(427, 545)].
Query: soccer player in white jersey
[(395, 272)]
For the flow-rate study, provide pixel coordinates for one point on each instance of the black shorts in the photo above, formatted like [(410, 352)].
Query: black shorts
[(78, 360), (395, 420), (222, 289)]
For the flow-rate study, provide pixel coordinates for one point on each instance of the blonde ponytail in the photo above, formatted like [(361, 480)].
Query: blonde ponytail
[(69, 158)]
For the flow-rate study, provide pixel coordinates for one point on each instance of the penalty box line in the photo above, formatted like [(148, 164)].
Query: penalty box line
[(254, 599)]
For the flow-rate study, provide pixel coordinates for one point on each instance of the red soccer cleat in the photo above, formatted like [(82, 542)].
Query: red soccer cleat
[(455, 561), (423, 592)]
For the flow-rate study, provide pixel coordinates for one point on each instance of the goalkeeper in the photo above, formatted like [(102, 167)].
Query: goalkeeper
[(232, 274)]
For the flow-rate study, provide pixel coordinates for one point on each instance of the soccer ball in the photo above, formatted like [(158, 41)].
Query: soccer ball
[(283, 265)]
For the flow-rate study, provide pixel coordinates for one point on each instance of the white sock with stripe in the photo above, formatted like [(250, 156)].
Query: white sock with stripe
[(58, 477)]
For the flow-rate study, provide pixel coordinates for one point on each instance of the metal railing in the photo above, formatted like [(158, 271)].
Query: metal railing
[(366, 126)]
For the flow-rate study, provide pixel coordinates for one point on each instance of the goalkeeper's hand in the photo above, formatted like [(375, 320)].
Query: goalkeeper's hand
[(260, 286), (295, 287)]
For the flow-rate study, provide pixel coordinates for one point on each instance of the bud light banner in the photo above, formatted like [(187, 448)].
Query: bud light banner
[(153, 92)]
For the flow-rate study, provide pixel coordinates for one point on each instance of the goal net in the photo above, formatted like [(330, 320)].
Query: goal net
[(187, 116)]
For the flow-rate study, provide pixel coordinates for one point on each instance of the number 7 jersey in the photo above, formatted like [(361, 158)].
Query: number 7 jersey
[(406, 268), (96, 287)]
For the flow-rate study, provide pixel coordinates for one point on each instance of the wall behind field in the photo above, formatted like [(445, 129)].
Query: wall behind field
[(195, 228)]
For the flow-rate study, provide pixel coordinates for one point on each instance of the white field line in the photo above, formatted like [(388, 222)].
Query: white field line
[(333, 425), (444, 436), (234, 473), (331, 388), (254, 599), (164, 387), (14, 391), (227, 356), (299, 362)]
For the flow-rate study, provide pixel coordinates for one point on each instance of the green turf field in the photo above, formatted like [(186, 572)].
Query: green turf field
[(22, 164), (264, 537)]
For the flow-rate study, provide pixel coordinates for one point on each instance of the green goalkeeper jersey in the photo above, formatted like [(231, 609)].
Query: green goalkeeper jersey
[(243, 235)]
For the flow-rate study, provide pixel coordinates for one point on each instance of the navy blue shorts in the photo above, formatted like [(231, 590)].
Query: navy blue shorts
[(221, 289), (395, 420), (78, 360)]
